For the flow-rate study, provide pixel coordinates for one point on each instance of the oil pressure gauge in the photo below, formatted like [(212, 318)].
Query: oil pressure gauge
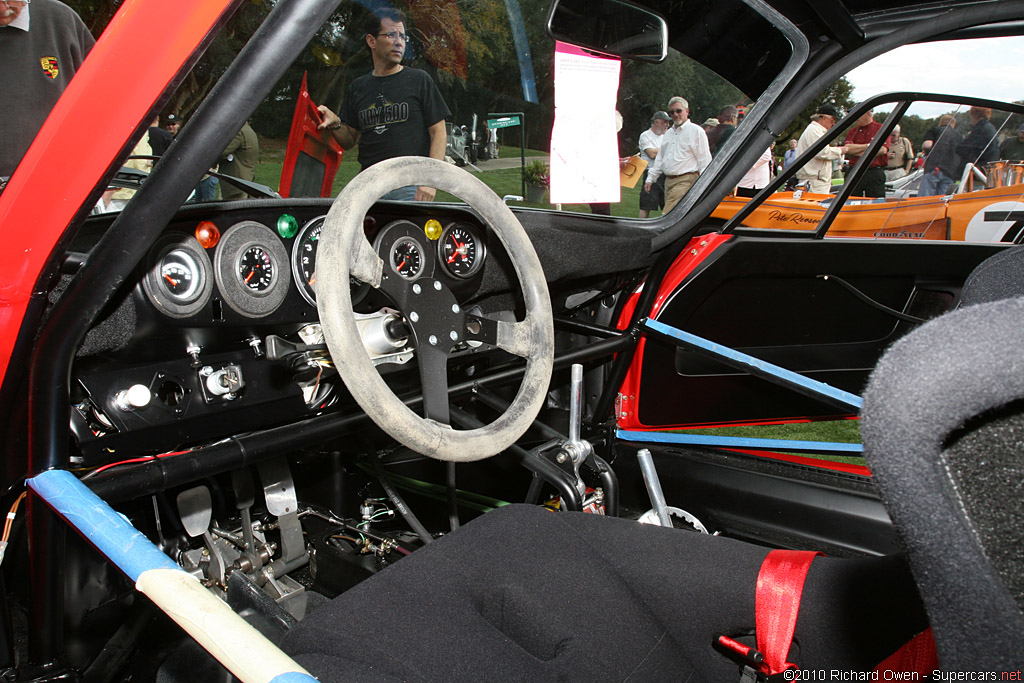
[(178, 280)]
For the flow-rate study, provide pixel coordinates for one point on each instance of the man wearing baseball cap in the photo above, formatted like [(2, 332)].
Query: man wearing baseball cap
[(171, 123), (817, 171), (650, 143)]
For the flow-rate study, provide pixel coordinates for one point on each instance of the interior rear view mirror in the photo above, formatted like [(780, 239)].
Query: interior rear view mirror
[(613, 27)]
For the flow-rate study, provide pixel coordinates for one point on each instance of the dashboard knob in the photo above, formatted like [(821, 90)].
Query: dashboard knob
[(133, 398)]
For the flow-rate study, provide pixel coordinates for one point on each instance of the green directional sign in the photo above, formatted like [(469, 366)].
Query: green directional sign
[(504, 122)]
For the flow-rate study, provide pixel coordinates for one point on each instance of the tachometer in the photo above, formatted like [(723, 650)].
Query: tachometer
[(460, 250), (304, 258), (304, 263)]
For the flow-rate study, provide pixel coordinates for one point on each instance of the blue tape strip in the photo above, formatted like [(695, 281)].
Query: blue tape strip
[(111, 533), (293, 677), (743, 442), (851, 400)]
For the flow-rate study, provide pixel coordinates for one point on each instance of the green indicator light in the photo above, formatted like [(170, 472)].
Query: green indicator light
[(287, 226)]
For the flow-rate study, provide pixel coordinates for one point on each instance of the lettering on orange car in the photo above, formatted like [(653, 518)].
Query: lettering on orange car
[(795, 217), (901, 234)]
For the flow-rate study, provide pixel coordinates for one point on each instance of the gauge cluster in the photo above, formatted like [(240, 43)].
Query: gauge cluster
[(254, 272)]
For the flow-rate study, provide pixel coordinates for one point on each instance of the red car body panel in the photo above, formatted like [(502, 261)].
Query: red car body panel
[(699, 248), (122, 78), (305, 139)]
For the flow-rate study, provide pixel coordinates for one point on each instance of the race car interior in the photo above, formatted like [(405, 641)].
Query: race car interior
[(351, 438)]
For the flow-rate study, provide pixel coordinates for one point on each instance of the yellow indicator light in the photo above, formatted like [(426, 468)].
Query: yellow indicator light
[(432, 229)]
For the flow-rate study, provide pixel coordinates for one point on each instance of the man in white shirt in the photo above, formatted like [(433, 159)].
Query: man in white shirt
[(650, 143), (683, 156), (817, 172)]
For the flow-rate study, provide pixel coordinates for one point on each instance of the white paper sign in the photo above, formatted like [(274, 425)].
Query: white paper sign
[(584, 145)]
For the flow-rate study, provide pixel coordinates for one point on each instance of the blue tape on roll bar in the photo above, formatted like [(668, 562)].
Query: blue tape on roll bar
[(293, 677), (743, 442), (756, 364), (111, 533)]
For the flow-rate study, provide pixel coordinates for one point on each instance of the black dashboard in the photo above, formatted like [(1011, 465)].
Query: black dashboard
[(219, 332)]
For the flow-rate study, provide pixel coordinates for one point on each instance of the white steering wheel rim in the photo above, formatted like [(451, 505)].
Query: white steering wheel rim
[(343, 250)]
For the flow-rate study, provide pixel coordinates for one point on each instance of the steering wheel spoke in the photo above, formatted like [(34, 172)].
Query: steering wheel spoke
[(367, 266), (433, 364), (513, 337)]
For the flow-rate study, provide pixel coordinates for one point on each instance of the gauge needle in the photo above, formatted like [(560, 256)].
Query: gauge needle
[(170, 279), (402, 264), (249, 276)]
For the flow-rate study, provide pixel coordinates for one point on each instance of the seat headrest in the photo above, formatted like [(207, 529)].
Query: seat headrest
[(943, 429)]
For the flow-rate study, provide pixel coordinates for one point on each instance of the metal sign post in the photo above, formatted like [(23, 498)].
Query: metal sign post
[(507, 120)]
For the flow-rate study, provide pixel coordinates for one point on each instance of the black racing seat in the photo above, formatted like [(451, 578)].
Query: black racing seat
[(525, 594), (998, 277), (943, 433)]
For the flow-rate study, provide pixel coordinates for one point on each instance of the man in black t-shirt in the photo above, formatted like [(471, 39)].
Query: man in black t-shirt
[(394, 111)]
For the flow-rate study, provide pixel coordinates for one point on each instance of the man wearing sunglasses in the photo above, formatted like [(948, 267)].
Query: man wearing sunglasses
[(393, 111), (683, 156)]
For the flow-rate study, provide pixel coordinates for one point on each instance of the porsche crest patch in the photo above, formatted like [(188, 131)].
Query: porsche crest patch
[(50, 66)]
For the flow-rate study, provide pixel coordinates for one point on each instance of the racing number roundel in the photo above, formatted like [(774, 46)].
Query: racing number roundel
[(999, 222)]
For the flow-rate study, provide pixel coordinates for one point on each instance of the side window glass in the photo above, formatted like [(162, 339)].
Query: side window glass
[(947, 171)]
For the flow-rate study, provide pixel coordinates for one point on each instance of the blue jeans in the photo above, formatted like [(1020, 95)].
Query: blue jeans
[(405, 194), (934, 183), (206, 190)]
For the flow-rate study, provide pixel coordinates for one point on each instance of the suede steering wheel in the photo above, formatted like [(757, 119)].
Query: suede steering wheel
[(439, 322)]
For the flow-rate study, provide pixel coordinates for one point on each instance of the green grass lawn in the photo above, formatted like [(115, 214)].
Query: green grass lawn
[(828, 431), (503, 181)]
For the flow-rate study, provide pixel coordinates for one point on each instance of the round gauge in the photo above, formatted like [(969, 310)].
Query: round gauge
[(407, 258), (248, 265), (178, 279), (304, 258), (304, 263), (180, 275), (460, 250), (256, 269)]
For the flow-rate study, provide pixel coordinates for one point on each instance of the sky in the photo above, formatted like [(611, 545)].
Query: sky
[(988, 67)]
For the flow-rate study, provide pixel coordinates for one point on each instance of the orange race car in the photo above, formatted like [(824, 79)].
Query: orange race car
[(989, 210)]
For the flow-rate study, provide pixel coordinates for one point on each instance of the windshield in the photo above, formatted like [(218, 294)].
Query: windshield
[(492, 80)]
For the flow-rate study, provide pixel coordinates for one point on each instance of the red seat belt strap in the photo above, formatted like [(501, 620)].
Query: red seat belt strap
[(780, 583), (917, 654)]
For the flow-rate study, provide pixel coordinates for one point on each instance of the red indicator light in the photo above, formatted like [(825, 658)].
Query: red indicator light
[(208, 234)]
